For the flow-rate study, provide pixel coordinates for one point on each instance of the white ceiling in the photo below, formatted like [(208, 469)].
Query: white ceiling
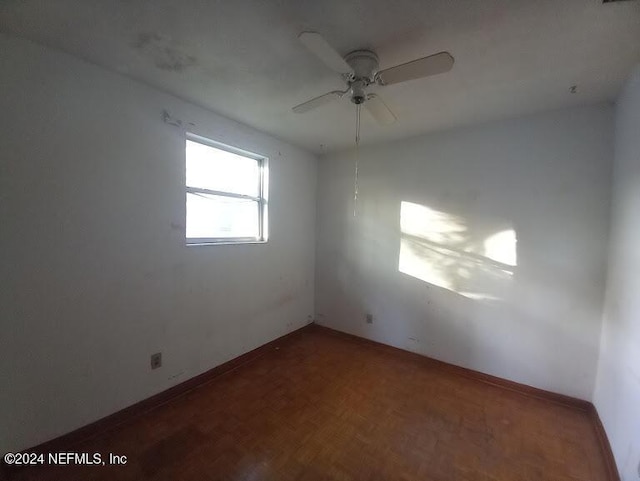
[(242, 58)]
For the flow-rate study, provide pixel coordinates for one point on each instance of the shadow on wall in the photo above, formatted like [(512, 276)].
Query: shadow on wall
[(445, 250)]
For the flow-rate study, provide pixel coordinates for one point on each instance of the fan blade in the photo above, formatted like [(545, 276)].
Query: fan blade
[(423, 67), (379, 110), (325, 52), (318, 101)]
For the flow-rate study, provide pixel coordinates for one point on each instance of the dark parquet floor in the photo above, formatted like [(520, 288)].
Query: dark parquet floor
[(323, 407)]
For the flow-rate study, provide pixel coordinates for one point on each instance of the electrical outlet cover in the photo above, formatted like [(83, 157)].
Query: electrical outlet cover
[(156, 360)]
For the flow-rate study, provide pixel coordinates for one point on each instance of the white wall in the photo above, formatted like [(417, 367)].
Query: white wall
[(95, 272), (617, 392), (546, 177)]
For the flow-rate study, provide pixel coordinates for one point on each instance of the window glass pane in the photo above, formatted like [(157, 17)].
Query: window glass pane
[(217, 169), (214, 216)]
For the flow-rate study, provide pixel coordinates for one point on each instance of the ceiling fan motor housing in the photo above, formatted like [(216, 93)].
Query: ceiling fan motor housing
[(365, 65)]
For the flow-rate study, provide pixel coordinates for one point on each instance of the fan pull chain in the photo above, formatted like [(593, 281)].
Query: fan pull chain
[(355, 184)]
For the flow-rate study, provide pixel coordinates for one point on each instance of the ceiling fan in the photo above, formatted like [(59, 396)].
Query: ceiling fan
[(359, 70)]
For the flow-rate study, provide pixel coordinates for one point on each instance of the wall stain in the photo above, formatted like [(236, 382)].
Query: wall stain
[(285, 299), (164, 52)]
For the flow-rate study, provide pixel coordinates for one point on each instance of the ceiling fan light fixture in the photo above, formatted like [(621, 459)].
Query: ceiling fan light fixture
[(358, 92)]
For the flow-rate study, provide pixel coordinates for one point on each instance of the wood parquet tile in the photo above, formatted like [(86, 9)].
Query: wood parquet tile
[(323, 407)]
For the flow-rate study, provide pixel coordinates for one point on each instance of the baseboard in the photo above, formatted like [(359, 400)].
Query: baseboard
[(530, 391), (85, 433), (610, 461)]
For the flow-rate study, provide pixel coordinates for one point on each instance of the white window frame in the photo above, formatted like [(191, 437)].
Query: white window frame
[(261, 199)]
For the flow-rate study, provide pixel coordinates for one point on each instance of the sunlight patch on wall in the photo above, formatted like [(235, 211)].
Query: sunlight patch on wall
[(445, 250), (501, 247)]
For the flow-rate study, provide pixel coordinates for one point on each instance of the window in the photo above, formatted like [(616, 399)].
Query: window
[(226, 193)]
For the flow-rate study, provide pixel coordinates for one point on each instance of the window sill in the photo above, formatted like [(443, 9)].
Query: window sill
[(224, 243)]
